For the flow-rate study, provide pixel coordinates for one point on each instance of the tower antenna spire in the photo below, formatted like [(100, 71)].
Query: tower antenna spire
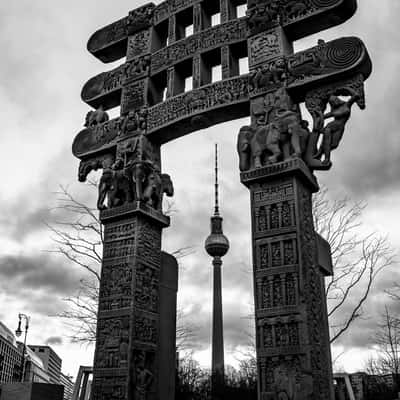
[(216, 211)]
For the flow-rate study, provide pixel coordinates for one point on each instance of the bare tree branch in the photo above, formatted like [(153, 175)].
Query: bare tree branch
[(357, 259), (79, 238)]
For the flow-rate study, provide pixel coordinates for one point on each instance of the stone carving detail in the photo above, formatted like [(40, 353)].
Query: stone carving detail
[(340, 111), (134, 176), (119, 248), (108, 82), (146, 292), (138, 44), (224, 34), (274, 216), (145, 330), (306, 66), (264, 14), (278, 291), (117, 280), (119, 231), (109, 388), (143, 374), (133, 97), (140, 18), (149, 240), (112, 343), (279, 332), (95, 118), (270, 75), (278, 132), (264, 47), (230, 91)]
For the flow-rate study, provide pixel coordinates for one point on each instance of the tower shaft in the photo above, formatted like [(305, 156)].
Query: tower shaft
[(217, 364)]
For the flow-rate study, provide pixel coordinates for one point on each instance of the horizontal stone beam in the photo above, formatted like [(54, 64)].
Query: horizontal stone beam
[(299, 18), (105, 88), (110, 43), (305, 70), (220, 35), (229, 99)]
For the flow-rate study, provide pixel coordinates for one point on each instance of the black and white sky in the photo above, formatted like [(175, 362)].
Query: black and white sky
[(44, 65)]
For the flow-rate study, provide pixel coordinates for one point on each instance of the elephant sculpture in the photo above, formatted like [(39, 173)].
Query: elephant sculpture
[(116, 185), (281, 139), (155, 185)]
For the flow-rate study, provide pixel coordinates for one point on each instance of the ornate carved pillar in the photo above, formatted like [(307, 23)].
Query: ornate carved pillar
[(303, 368), (126, 364)]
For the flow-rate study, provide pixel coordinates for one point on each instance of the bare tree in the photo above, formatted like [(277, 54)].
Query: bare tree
[(79, 238), (387, 338), (357, 258)]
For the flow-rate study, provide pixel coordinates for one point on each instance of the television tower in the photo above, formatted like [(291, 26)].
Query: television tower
[(217, 245)]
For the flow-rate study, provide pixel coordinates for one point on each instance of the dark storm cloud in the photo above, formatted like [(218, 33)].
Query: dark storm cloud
[(54, 340), (45, 205), (37, 273)]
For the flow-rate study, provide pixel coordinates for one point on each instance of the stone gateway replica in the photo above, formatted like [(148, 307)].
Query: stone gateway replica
[(165, 47)]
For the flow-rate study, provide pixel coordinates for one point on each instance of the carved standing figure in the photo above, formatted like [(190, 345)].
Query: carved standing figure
[(143, 378), (334, 130)]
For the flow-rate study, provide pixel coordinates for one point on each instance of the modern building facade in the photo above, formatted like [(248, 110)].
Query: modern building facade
[(51, 361), (68, 384), (10, 356), (34, 370)]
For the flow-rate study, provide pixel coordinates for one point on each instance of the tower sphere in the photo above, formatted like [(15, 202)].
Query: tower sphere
[(217, 245)]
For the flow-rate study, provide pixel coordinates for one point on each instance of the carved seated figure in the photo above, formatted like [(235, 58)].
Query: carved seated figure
[(97, 117)]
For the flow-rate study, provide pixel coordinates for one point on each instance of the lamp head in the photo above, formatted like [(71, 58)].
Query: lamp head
[(18, 332)]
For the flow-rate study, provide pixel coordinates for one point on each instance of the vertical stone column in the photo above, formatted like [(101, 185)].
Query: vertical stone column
[(126, 364), (294, 356)]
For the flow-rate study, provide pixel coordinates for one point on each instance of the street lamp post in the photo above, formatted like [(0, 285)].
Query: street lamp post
[(18, 333)]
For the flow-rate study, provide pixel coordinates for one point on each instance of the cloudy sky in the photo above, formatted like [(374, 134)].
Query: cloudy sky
[(43, 68)]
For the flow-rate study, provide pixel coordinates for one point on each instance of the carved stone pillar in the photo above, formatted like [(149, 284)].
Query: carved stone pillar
[(303, 368), (126, 364)]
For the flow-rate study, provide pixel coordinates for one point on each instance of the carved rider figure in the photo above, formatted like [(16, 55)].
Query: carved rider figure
[(97, 117)]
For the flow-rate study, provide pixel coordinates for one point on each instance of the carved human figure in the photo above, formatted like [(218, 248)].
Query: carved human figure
[(285, 383), (143, 378), (334, 130), (274, 73)]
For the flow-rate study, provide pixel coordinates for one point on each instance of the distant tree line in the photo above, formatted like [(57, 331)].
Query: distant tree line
[(193, 381)]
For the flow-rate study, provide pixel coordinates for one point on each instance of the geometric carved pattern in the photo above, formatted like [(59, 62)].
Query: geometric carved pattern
[(128, 320), (292, 331)]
